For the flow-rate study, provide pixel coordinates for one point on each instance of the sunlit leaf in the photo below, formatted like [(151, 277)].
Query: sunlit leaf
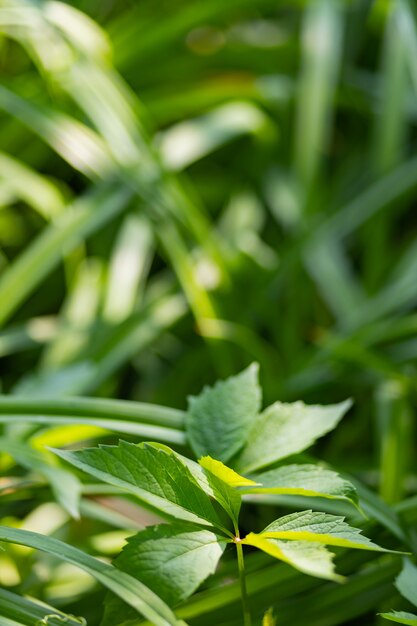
[(318, 527), (400, 617), (310, 558), (303, 480), (152, 474)]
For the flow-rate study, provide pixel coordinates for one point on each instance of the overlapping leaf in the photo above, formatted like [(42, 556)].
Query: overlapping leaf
[(132, 591), (223, 482), (406, 584), (157, 477), (321, 528), (285, 429), (219, 419), (310, 558), (172, 560), (300, 539), (303, 480)]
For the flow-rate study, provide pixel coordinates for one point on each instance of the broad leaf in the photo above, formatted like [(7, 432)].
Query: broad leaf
[(219, 419), (132, 591), (172, 559), (303, 480), (285, 429), (400, 617), (311, 558), (154, 475), (222, 482), (227, 496), (406, 582), (322, 528)]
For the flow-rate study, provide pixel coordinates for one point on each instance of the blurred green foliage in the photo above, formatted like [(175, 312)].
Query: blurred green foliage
[(186, 187)]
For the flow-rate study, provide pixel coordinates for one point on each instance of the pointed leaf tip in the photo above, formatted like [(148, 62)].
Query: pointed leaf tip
[(284, 429), (226, 474), (220, 417)]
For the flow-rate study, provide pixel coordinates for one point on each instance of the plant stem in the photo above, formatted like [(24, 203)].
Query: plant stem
[(241, 566)]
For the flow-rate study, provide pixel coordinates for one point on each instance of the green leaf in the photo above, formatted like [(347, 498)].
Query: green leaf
[(400, 617), (153, 474), (322, 528), (172, 559), (224, 473), (310, 558), (285, 429), (303, 480), (406, 582), (132, 591), (219, 419), (20, 610), (222, 482)]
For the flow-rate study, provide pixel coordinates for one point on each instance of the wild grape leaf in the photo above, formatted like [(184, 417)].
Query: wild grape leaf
[(223, 483), (310, 558), (155, 475), (170, 559), (217, 483), (285, 429), (219, 419), (400, 617), (321, 528), (406, 582), (303, 480), (224, 473)]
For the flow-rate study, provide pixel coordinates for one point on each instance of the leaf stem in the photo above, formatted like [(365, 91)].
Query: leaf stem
[(242, 579)]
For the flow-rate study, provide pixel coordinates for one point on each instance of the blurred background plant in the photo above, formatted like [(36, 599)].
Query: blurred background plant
[(186, 187)]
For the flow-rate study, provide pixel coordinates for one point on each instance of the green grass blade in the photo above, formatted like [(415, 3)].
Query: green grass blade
[(127, 588)]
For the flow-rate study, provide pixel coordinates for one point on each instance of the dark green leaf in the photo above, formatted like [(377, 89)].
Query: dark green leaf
[(154, 474), (219, 419)]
